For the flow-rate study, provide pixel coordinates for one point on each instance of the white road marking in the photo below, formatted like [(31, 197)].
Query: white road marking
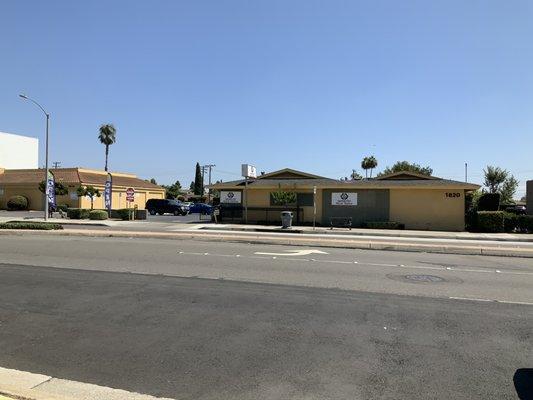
[(293, 253), (35, 386), (492, 301), (305, 252)]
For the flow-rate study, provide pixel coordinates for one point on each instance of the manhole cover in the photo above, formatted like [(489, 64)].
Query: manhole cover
[(424, 278)]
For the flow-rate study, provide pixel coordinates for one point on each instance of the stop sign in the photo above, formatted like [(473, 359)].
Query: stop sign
[(130, 194)]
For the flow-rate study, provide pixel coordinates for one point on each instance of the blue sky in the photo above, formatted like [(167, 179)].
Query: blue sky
[(312, 85)]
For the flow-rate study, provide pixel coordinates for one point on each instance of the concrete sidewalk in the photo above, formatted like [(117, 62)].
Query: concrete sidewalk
[(508, 237), (413, 244)]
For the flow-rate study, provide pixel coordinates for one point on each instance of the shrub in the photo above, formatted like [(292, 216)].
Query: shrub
[(125, 213), (17, 203), (491, 221), (62, 207), (489, 202), (525, 223), (78, 213), (98, 215), (510, 222), (31, 225), (383, 225)]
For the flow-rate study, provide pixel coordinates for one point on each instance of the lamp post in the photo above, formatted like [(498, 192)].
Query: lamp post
[(23, 96)]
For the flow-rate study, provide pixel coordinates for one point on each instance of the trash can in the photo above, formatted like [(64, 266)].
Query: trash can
[(286, 219)]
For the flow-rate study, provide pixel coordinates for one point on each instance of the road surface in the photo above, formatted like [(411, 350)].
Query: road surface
[(201, 320)]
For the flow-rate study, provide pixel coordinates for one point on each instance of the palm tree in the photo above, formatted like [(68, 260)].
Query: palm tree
[(494, 178), (107, 136), (369, 163)]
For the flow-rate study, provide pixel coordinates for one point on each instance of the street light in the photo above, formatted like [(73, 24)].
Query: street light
[(23, 96)]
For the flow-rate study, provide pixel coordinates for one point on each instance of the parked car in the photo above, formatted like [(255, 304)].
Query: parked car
[(516, 209), (160, 206), (201, 208)]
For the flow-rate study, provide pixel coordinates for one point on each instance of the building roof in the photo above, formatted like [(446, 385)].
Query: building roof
[(402, 179), (74, 176)]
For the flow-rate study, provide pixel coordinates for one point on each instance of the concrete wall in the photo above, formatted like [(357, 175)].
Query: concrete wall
[(529, 197), (18, 152), (372, 206), (428, 209)]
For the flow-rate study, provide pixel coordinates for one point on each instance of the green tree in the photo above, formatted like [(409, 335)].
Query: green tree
[(59, 188), (281, 198), (198, 182), (401, 166), (369, 163), (355, 176), (494, 178), (499, 180), (107, 136), (153, 181), (89, 191), (508, 190), (191, 186), (173, 191)]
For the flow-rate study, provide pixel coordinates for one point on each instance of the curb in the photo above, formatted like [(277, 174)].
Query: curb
[(294, 241)]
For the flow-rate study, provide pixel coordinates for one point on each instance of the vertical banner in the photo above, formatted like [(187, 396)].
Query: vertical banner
[(108, 192), (51, 188)]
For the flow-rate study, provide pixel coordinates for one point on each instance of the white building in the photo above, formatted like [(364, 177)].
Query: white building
[(18, 152)]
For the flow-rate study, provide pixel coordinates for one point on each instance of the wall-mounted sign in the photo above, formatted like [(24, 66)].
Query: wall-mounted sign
[(344, 199), (230, 197), (248, 171)]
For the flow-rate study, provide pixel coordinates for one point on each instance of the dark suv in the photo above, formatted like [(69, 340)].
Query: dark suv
[(159, 206)]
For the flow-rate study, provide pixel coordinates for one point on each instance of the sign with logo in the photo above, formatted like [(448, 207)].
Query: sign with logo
[(248, 171), (344, 199), (108, 192), (51, 190), (230, 197), (130, 194)]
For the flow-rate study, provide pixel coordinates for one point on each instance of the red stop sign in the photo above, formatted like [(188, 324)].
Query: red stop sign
[(130, 194)]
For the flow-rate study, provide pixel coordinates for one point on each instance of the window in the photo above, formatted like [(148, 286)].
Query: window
[(304, 199)]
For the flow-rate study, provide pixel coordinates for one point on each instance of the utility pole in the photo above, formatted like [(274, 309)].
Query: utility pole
[(466, 172), (56, 164), (204, 168)]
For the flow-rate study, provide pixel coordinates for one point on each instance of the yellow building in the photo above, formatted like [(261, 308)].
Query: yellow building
[(25, 182), (414, 200)]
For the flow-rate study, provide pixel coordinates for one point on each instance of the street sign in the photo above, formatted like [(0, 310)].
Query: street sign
[(130, 194)]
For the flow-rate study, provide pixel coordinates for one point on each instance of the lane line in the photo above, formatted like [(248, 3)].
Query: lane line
[(491, 301), (443, 268)]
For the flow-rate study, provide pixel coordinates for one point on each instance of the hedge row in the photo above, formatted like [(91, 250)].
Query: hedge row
[(501, 221), (83, 213), (47, 226)]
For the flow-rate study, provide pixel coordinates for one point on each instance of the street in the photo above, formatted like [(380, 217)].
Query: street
[(212, 320)]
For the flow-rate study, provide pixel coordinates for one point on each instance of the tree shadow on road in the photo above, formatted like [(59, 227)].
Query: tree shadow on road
[(523, 383)]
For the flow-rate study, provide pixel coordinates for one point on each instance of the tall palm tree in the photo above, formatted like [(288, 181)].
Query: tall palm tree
[(369, 163), (107, 136)]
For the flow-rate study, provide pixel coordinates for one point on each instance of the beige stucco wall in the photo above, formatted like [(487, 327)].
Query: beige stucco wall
[(428, 209), (36, 198)]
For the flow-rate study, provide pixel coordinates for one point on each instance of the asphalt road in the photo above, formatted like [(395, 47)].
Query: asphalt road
[(234, 324)]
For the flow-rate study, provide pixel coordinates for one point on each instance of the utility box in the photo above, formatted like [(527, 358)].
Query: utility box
[(286, 219)]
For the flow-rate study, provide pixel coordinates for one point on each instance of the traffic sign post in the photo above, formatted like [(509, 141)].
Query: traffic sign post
[(130, 198)]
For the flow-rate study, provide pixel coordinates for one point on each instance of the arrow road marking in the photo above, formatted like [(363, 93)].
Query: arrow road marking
[(293, 253)]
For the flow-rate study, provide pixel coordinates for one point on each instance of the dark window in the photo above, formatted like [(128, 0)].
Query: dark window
[(304, 199)]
